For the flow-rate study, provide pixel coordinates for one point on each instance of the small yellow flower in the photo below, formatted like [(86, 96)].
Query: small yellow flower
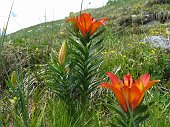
[(142, 42), (138, 5), (105, 52), (112, 51), (15, 98), (62, 33), (153, 51), (13, 101)]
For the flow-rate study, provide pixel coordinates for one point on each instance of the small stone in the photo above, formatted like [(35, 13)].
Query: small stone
[(157, 41)]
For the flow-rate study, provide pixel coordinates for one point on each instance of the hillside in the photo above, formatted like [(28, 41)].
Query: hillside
[(138, 19), (38, 90), (120, 14)]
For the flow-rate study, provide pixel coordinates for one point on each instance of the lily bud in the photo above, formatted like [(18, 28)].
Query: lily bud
[(14, 78), (63, 53)]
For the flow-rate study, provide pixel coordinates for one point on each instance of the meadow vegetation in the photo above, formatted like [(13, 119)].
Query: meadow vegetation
[(37, 91)]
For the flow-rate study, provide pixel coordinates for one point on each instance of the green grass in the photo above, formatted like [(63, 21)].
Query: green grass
[(28, 52)]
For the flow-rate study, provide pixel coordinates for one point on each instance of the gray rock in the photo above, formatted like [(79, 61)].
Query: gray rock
[(157, 41), (151, 23)]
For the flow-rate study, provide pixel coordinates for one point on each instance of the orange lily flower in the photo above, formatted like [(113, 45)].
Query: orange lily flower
[(128, 89), (86, 23)]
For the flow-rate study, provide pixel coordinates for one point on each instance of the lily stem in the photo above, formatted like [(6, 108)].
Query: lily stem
[(81, 7)]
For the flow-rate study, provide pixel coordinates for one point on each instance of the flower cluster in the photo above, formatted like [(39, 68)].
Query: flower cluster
[(127, 91), (86, 23)]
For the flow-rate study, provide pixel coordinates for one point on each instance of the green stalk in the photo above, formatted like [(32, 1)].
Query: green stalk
[(86, 67), (81, 7), (0, 112), (3, 37), (150, 112), (2, 41), (24, 108)]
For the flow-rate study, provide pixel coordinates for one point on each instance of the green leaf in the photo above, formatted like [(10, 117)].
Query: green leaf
[(113, 125), (96, 120), (117, 110), (140, 119), (1, 112), (18, 121), (109, 98), (92, 67), (53, 58), (92, 87), (23, 101), (97, 44), (54, 69), (77, 63), (98, 34), (90, 76), (121, 122), (78, 46), (39, 120), (77, 55), (141, 109), (74, 34)]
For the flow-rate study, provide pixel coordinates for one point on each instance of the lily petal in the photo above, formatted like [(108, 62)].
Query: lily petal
[(150, 84), (114, 79), (94, 27), (125, 94), (139, 99), (103, 20), (74, 21), (134, 97), (139, 84), (128, 92), (128, 80), (145, 78), (119, 96), (86, 21)]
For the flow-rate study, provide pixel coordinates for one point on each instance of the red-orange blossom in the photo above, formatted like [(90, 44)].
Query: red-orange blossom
[(86, 23), (128, 89)]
